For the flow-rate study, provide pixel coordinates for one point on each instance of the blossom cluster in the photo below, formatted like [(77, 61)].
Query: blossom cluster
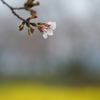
[(44, 28), (47, 28)]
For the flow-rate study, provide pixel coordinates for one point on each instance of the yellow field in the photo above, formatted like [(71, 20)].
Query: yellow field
[(34, 91)]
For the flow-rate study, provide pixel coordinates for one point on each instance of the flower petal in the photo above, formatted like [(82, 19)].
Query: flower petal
[(45, 35), (49, 32), (49, 22), (52, 25)]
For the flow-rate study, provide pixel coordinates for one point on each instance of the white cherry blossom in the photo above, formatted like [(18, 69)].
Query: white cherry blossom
[(50, 29), (48, 32), (52, 25), (47, 29)]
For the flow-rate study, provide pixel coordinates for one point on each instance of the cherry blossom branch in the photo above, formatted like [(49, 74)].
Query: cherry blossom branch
[(12, 9), (45, 28)]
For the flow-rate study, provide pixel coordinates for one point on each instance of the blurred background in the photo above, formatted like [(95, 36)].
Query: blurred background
[(64, 64)]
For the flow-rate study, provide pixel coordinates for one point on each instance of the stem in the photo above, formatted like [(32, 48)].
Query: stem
[(19, 8), (12, 9)]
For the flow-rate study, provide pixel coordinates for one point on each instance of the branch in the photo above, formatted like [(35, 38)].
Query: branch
[(12, 9), (45, 28)]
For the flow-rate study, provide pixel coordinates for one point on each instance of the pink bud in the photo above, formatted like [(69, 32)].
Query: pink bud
[(33, 12), (42, 29), (35, 16), (30, 31), (21, 28), (38, 3)]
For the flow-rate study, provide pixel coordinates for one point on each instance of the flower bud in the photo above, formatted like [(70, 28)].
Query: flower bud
[(28, 3), (40, 23), (34, 24), (21, 26), (33, 12), (35, 16), (30, 31), (42, 29), (45, 24), (36, 4), (31, 17)]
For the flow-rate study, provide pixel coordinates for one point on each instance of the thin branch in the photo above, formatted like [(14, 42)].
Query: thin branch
[(6, 4), (19, 8), (12, 9)]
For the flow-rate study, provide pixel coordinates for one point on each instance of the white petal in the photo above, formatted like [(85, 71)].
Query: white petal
[(52, 25), (49, 32), (49, 22), (45, 30), (45, 35)]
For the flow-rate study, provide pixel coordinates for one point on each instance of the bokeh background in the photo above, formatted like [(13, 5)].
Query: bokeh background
[(65, 66)]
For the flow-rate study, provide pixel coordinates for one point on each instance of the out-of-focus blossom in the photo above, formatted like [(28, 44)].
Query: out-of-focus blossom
[(48, 32), (52, 25), (47, 28)]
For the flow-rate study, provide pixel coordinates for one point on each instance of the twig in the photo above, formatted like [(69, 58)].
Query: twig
[(27, 6), (12, 9), (19, 8)]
